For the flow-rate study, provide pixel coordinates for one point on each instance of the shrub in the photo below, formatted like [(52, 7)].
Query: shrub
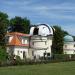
[(3, 54)]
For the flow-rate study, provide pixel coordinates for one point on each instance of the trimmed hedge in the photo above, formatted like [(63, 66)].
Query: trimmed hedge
[(63, 57)]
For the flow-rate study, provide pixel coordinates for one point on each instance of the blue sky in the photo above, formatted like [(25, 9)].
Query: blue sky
[(52, 12)]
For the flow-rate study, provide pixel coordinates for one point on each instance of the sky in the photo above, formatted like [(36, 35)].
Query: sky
[(52, 12)]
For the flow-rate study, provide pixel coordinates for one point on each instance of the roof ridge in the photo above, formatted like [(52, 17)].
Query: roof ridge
[(18, 33)]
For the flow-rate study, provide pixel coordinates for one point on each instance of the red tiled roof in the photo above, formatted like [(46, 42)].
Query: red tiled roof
[(17, 33), (15, 40)]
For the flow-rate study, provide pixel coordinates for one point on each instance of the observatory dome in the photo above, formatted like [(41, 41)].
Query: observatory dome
[(41, 29), (68, 38)]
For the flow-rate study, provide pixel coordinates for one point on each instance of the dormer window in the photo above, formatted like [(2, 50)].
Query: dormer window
[(24, 41)]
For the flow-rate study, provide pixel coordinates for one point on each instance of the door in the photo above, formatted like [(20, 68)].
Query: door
[(24, 54)]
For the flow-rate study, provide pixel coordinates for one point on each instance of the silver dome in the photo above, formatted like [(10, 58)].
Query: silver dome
[(41, 29)]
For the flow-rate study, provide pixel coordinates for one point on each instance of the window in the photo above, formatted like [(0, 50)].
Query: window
[(45, 43), (24, 54), (48, 54), (45, 53), (43, 27), (32, 43), (74, 52), (65, 46), (24, 41), (18, 53), (21, 51), (36, 31), (32, 53), (74, 45)]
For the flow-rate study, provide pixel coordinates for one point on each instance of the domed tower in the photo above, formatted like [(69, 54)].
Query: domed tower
[(68, 38), (41, 40), (69, 45)]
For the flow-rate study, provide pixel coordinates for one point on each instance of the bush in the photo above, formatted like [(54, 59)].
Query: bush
[(55, 58), (63, 57), (3, 54)]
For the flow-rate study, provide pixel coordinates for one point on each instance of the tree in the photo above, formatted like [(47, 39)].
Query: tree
[(57, 47), (3, 54), (20, 24), (65, 33), (3, 26)]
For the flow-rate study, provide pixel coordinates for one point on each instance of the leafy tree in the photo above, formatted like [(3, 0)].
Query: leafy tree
[(3, 54), (65, 33), (57, 47), (20, 24), (3, 26)]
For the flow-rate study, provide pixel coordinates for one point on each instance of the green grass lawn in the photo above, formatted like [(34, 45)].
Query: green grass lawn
[(63, 68)]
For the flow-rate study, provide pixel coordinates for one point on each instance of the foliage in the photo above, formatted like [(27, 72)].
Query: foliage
[(20, 24), (58, 41), (3, 54), (3, 26), (65, 33), (62, 57), (57, 47)]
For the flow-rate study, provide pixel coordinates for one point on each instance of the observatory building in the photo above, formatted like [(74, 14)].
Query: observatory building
[(37, 44), (41, 40), (69, 45)]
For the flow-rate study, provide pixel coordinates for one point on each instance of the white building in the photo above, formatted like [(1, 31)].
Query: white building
[(17, 44), (41, 40), (36, 44), (69, 45)]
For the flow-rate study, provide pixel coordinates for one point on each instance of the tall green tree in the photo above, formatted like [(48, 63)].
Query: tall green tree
[(20, 24), (3, 26), (57, 47)]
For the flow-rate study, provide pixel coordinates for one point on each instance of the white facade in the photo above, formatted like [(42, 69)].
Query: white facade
[(41, 45), (22, 52), (17, 44), (41, 40), (69, 48), (69, 45)]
